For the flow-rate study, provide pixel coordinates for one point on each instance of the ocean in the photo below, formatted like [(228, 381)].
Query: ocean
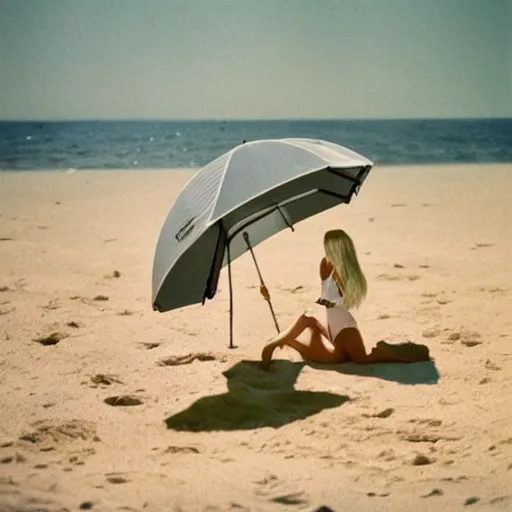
[(191, 144)]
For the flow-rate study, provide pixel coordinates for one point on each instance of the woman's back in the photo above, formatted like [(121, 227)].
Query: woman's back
[(331, 293)]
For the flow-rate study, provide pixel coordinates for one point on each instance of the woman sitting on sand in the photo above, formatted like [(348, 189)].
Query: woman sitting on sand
[(343, 288)]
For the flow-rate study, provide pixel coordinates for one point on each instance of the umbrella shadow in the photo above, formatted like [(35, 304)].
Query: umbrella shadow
[(255, 399), (424, 372)]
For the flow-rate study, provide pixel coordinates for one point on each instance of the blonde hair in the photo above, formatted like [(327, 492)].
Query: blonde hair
[(340, 251)]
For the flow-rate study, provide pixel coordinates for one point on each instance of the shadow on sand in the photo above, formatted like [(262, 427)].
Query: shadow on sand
[(409, 373), (268, 399), (255, 399)]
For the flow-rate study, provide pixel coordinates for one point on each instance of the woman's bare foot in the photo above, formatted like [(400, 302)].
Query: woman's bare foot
[(268, 351)]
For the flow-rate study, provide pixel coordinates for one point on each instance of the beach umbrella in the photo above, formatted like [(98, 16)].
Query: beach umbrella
[(237, 201)]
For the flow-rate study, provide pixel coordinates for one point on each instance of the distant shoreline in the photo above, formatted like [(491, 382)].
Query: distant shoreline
[(160, 144), (262, 120)]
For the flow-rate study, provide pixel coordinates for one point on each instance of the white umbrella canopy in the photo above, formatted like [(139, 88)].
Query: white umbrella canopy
[(240, 199)]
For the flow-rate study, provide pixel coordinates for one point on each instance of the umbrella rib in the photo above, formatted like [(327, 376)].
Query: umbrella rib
[(276, 207), (353, 179), (287, 222), (221, 182)]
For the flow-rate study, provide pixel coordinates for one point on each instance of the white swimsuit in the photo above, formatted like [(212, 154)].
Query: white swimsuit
[(338, 316)]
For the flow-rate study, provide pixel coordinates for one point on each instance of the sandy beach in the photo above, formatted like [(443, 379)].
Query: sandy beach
[(101, 412)]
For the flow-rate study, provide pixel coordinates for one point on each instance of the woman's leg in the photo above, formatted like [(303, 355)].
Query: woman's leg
[(350, 342), (348, 346), (315, 351)]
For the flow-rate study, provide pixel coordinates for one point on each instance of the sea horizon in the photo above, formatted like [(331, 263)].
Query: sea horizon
[(190, 143)]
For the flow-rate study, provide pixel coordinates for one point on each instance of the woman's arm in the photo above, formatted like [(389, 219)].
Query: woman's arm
[(325, 268)]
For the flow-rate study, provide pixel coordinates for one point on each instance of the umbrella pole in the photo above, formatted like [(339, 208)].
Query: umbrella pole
[(267, 297), (230, 298)]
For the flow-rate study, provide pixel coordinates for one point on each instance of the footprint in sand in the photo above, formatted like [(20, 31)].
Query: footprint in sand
[(296, 498), (125, 312), (499, 499), (4, 288), (387, 455), (470, 338), (398, 205), (471, 343), (185, 331), (87, 300), (6, 239), (427, 421), (386, 413), (390, 277), (431, 333), (52, 305), (6, 311), (479, 245), (466, 338), (489, 365), (51, 339), (187, 359), (293, 289), (276, 491), (268, 479), (46, 433), (433, 492), (181, 449), (123, 401), (149, 345), (372, 494), (116, 478), (421, 460), (105, 379), (426, 438), (490, 289)]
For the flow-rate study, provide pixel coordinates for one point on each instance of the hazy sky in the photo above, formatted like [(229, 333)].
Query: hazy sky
[(227, 59)]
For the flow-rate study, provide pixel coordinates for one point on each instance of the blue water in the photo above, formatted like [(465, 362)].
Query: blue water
[(172, 144)]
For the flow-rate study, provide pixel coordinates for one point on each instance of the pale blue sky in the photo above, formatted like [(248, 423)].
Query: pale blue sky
[(248, 59)]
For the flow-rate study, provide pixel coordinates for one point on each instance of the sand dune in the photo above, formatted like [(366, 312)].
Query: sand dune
[(109, 406)]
